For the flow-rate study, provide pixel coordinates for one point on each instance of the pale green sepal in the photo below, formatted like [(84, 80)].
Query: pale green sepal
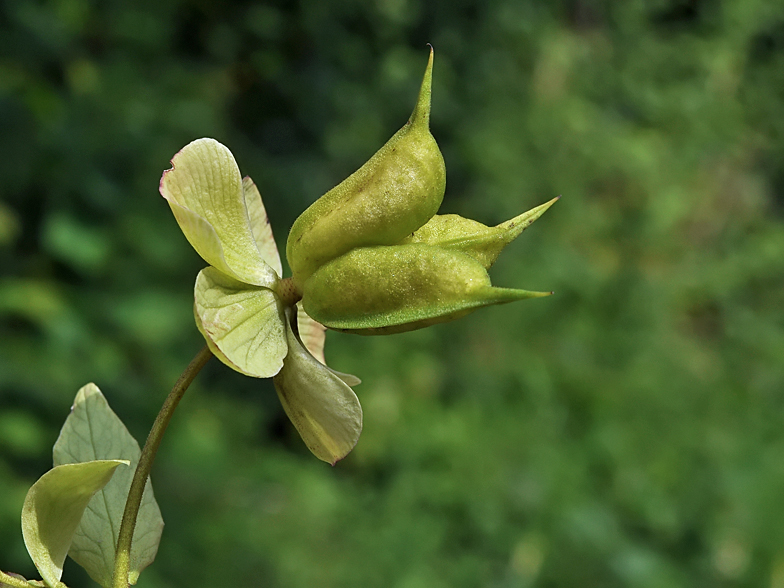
[(93, 431), (313, 334), (205, 192), (211, 346), (260, 225), (244, 322), (201, 235), (481, 242), (349, 379), (53, 508), (325, 411)]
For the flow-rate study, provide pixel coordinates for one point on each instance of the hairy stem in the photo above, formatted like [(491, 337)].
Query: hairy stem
[(13, 581), (122, 559)]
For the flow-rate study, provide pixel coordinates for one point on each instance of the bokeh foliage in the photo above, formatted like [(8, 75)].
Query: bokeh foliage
[(627, 431)]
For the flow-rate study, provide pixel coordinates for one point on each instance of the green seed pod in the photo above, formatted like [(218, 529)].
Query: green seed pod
[(390, 196), (481, 242), (391, 289)]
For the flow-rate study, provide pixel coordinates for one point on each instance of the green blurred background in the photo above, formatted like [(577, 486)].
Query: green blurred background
[(628, 431)]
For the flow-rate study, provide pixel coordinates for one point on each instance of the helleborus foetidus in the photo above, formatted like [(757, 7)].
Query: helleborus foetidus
[(370, 257)]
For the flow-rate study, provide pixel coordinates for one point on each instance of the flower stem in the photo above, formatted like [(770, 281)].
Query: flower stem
[(288, 292), (13, 581), (122, 558)]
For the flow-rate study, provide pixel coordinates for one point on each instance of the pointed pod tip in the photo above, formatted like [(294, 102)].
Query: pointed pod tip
[(495, 295), (421, 114), (542, 208), (521, 222)]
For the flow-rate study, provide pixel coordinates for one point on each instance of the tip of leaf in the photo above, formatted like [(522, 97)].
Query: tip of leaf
[(86, 392), (421, 114)]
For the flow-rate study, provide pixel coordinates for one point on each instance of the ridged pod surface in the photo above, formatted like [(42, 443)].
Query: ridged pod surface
[(393, 194), (391, 289)]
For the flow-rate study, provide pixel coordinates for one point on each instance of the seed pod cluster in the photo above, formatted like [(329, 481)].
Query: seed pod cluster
[(372, 257)]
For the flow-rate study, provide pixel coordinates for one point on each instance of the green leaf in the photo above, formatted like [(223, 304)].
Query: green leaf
[(53, 508), (245, 323), (93, 431), (325, 411), (260, 225), (205, 192)]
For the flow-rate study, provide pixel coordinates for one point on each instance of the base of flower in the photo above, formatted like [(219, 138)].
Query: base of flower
[(288, 292)]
